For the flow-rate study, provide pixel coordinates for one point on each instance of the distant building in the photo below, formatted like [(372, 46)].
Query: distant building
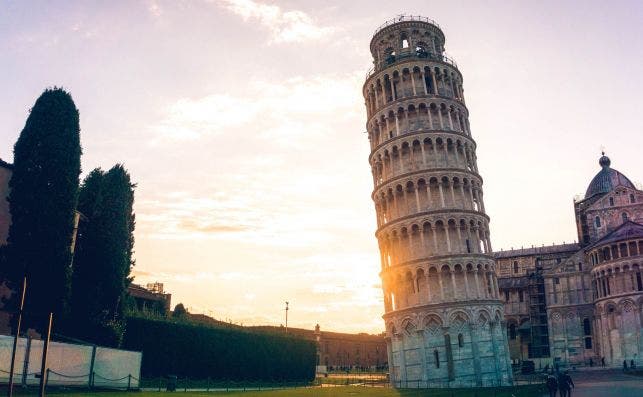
[(572, 303), (151, 299), (340, 351)]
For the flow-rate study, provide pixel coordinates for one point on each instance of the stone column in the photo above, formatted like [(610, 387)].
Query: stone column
[(397, 126), (426, 89), (441, 286), (413, 84), (441, 194), (417, 199)]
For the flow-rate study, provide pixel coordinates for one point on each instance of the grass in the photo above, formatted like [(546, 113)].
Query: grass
[(352, 391)]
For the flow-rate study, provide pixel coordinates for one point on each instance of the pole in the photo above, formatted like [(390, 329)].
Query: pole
[(286, 317), (15, 341), (43, 367)]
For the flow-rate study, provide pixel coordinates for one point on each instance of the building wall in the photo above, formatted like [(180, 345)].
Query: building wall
[(5, 214)]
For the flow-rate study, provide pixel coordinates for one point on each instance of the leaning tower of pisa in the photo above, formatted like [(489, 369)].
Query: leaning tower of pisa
[(443, 316)]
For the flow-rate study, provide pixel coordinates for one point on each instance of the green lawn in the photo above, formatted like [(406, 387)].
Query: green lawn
[(356, 391)]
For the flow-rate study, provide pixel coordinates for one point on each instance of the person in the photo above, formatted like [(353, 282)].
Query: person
[(562, 388), (552, 385), (570, 382), (624, 365), (602, 361), (632, 365), (591, 362), (565, 384)]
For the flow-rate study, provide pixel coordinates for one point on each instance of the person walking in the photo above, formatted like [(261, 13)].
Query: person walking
[(565, 384), (591, 362), (624, 365), (602, 361), (570, 384), (552, 385)]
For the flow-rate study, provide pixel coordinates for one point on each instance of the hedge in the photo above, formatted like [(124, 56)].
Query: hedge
[(197, 351)]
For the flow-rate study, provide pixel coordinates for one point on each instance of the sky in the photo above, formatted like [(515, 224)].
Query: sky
[(242, 121)]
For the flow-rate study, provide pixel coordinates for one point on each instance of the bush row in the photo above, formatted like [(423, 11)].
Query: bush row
[(198, 352)]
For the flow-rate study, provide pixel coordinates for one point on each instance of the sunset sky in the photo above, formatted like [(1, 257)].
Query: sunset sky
[(242, 123)]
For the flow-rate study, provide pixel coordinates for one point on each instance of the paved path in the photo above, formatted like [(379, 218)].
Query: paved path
[(608, 383)]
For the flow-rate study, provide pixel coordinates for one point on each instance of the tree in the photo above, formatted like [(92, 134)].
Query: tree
[(103, 260), (43, 197), (179, 311)]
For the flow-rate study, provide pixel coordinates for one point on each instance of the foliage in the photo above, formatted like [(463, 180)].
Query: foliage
[(103, 257), (179, 311), (44, 190), (199, 351)]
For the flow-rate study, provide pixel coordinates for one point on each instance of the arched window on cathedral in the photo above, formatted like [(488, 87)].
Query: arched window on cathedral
[(611, 201), (632, 199), (597, 222), (460, 340), (436, 356), (515, 267), (624, 215), (580, 267)]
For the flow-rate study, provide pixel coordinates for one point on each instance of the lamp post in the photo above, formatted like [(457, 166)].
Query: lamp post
[(286, 316), (15, 341)]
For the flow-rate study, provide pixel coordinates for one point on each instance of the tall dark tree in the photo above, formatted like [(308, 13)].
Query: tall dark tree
[(103, 258), (44, 192)]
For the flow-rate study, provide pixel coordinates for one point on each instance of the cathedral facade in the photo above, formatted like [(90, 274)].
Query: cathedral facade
[(581, 303)]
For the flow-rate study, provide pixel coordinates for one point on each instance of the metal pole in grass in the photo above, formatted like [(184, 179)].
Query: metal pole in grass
[(44, 372), (15, 341)]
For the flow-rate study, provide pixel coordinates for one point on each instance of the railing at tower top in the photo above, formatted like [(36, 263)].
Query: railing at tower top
[(393, 59), (406, 18)]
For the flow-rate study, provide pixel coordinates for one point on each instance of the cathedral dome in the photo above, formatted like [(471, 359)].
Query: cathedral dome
[(606, 179)]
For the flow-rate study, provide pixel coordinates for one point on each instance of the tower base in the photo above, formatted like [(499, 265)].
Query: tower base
[(456, 346)]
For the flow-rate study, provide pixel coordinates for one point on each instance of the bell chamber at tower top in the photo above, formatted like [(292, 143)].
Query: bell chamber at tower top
[(406, 37)]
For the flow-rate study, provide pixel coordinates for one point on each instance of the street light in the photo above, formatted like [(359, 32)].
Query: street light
[(286, 316)]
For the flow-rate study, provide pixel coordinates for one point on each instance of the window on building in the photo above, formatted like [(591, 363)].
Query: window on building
[(521, 297), (468, 246), (515, 267), (611, 201), (597, 222), (588, 343), (587, 327), (460, 340), (506, 295), (624, 216), (632, 199), (580, 267), (639, 283), (556, 281), (512, 331), (436, 357), (405, 40)]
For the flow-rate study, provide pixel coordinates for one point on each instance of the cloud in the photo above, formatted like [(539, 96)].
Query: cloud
[(277, 111), (284, 26)]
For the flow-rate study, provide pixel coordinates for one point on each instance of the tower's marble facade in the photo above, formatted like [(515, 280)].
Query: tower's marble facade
[(444, 320)]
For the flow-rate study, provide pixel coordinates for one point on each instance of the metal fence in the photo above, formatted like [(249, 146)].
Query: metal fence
[(70, 365)]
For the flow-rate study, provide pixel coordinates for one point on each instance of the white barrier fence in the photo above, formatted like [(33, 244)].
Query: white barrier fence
[(70, 364)]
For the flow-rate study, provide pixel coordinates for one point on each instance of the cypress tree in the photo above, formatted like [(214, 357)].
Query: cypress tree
[(103, 258), (43, 197)]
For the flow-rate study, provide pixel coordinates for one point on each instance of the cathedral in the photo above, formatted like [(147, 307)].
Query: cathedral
[(581, 303)]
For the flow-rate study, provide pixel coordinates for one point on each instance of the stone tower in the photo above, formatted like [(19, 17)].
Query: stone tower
[(444, 321)]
